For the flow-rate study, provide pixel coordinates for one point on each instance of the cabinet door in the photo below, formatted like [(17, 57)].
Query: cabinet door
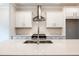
[(50, 19), (23, 19), (19, 19), (71, 12), (55, 19), (28, 19)]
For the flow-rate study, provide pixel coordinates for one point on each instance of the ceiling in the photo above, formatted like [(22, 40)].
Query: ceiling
[(47, 4)]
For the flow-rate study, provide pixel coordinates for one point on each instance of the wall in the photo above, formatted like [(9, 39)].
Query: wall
[(12, 17), (27, 31), (4, 22), (43, 29)]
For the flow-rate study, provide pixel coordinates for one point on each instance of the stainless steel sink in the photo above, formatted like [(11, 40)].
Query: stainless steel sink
[(30, 42), (40, 41)]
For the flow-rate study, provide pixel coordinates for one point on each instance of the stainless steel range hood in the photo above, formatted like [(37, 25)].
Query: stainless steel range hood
[(39, 16), (39, 11)]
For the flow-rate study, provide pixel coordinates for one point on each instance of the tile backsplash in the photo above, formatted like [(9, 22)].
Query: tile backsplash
[(42, 30)]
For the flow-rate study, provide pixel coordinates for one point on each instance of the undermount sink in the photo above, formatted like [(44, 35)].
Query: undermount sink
[(40, 41)]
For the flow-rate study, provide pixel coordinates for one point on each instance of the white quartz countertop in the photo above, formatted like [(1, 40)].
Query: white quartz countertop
[(59, 47)]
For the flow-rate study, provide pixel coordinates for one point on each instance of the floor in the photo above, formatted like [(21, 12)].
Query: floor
[(59, 47)]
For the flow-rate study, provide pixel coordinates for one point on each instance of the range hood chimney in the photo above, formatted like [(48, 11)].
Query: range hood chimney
[(39, 16), (39, 11)]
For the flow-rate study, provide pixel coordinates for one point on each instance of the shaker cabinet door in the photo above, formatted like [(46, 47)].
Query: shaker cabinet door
[(19, 19), (28, 19), (71, 13), (55, 19), (23, 19)]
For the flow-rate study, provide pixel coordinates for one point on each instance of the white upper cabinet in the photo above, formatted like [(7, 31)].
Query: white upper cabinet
[(19, 19), (24, 19), (54, 19), (28, 19), (71, 12)]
